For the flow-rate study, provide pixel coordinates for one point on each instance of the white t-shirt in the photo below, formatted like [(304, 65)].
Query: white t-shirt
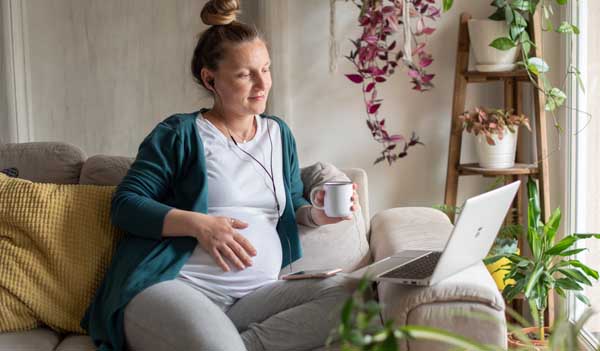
[(239, 187)]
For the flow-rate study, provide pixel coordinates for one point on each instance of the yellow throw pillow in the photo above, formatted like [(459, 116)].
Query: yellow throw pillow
[(56, 242)]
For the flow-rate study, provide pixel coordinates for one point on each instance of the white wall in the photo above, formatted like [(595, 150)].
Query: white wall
[(104, 72), (4, 129), (328, 111)]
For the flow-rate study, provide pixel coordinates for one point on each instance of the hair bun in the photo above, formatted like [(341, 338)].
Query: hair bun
[(220, 12)]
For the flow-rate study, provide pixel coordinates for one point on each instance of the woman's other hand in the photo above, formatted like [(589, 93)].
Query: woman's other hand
[(219, 237), (321, 218)]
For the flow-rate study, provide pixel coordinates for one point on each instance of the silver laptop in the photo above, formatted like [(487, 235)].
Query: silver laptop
[(469, 243)]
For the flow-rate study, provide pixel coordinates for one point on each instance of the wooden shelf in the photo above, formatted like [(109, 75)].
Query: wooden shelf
[(477, 77), (518, 169), (514, 83)]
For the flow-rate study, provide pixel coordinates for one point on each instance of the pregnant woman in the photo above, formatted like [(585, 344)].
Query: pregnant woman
[(210, 207)]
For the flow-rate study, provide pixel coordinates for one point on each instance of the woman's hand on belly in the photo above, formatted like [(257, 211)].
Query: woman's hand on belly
[(218, 236)]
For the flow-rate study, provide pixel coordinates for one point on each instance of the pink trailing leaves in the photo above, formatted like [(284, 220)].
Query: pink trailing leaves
[(376, 57)]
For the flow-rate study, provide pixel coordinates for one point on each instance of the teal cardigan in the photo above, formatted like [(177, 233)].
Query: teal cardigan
[(170, 172)]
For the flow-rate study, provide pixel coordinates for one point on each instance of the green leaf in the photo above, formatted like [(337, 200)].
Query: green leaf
[(389, 344), (498, 15), (586, 236), (372, 307), (562, 2), (526, 47), (532, 282), (539, 64), (511, 291), (522, 5), (575, 275), (587, 270), (533, 210), (347, 311), (583, 298), (356, 338), (447, 5), (566, 27), (551, 227), (503, 44), (546, 11), (558, 95), (549, 25), (555, 98), (509, 15), (568, 284), (571, 252), (561, 246), (515, 31), (532, 6), (492, 259), (533, 69), (550, 105), (519, 20), (511, 231)]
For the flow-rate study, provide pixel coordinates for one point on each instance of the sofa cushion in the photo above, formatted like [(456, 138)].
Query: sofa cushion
[(105, 170), (39, 339), (56, 243), (74, 342), (47, 162), (341, 245)]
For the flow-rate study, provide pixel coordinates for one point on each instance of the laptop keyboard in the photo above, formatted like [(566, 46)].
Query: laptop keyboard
[(420, 268)]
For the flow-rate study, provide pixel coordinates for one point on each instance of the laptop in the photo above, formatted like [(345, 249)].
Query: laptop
[(470, 241)]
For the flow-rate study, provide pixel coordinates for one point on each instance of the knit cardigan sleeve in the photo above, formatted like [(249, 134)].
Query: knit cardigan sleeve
[(138, 203)]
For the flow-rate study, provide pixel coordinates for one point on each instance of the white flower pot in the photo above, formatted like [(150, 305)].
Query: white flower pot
[(501, 155), (488, 59)]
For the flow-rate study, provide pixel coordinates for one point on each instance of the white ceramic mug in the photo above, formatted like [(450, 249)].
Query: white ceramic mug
[(338, 198)]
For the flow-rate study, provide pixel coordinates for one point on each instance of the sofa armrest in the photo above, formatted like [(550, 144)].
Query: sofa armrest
[(408, 228), (455, 304)]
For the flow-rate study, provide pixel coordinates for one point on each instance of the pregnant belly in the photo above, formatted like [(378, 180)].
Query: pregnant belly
[(202, 269)]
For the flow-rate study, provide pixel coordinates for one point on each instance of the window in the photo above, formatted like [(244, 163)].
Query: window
[(585, 142)]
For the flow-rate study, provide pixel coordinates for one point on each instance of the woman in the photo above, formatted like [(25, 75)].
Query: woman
[(211, 206)]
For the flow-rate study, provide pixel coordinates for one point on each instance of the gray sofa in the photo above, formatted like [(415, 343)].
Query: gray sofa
[(450, 304)]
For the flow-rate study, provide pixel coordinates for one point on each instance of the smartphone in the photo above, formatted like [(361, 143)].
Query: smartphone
[(315, 273)]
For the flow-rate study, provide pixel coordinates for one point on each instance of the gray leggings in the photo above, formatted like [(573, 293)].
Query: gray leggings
[(284, 315)]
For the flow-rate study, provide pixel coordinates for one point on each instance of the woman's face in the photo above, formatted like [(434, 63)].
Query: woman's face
[(243, 79)]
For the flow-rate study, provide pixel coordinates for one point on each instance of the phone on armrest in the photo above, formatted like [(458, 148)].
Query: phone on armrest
[(310, 274)]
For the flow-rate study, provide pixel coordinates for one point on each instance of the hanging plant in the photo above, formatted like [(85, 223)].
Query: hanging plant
[(376, 56)]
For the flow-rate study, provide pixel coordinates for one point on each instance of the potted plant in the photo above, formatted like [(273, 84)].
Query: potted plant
[(517, 16), (496, 133), (550, 267), (504, 244), (482, 34)]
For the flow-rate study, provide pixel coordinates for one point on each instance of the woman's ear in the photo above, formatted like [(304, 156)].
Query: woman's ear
[(208, 78)]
